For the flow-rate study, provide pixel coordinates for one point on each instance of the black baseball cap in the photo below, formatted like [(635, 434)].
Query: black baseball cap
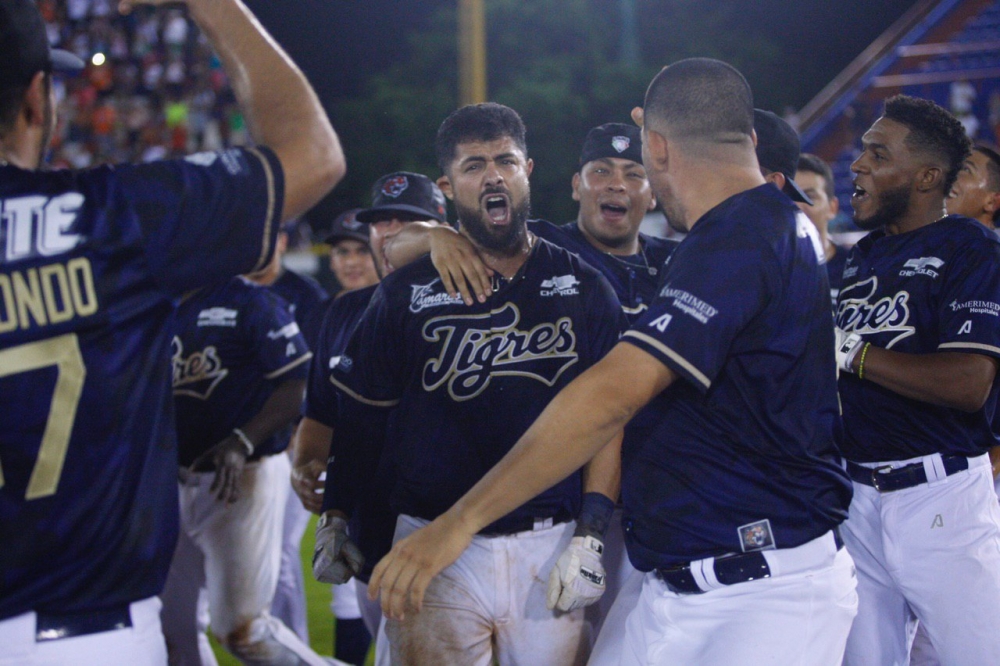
[(405, 192), (778, 150), (612, 140), (346, 226), (24, 46)]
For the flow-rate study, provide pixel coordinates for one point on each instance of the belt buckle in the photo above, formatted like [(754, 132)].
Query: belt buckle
[(879, 470)]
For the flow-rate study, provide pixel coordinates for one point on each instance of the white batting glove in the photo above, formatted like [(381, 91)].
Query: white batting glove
[(577, 579), (336, 558), (848, 346)]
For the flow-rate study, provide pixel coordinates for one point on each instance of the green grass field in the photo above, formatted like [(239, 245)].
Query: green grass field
[(317, 603)]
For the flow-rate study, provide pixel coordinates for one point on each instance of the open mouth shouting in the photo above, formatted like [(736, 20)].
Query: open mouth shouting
[(613, 212), (860, 196), (497, 206)]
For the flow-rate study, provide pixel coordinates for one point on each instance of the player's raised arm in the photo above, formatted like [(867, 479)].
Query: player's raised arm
[(281, 108), (574, 427)]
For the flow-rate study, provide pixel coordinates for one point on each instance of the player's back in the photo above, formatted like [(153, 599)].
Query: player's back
[(89, 268)]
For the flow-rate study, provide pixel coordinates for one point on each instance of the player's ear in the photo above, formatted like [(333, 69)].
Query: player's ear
[(658, 149), (834, 206), (576, 186), (445, 184), (753, 137), (652, 204), (530, 166), (777, 178), (929, 178), (992, 203), (35, 101)]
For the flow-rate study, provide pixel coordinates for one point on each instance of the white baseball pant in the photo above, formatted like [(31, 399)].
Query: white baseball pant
[(799, 616), (289, 604), (241, 546), (490, 603), (930, 552), (139, 645)]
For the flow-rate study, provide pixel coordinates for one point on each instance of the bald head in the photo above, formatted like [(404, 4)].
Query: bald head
[(700, 99)]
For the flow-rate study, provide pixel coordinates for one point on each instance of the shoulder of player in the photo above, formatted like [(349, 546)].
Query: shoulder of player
[(550, 257), (351, 301), (299, 283)]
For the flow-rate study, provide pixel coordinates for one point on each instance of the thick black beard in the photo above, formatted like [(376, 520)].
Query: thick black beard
[(505, 241), (892, 205)]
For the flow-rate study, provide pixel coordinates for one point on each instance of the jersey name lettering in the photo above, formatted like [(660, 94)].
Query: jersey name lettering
[(887, 314), (47, 295), (476, 348), (196, 375), (36, 226)]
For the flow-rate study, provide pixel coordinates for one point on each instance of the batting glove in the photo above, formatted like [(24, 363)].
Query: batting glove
[(577, 579), (848, 346), (336, 558)]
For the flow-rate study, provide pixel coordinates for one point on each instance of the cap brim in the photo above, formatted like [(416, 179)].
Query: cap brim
[(64, 61), (795, 192), (333, 239), (368, 214)]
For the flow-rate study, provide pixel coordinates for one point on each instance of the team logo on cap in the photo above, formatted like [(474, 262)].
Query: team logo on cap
[(351, 222), (620, 143), (395, 186)]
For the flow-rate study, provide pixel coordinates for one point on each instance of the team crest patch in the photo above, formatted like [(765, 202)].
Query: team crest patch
[(395, 186), (620, 143), (756, 536)]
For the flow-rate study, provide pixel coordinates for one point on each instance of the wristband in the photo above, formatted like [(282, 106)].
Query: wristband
[(861, 363), (242, 436), (595, 514)]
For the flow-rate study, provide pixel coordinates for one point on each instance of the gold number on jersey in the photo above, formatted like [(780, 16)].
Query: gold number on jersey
[(64, 353)]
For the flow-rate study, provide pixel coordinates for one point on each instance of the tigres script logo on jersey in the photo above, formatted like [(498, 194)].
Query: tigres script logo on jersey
[(889, 314), (198, 374), (476, 348), (423, 296)]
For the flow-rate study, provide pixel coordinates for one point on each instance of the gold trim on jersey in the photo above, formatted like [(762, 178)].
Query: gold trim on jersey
[(969, 345), (265, 251), (280, 371), (674, 356), (363, 400)]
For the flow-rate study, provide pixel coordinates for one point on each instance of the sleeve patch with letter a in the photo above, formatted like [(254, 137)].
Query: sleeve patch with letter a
[(661, 322)]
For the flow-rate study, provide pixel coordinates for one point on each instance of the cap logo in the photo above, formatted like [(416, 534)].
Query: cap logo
[(395, 186), (351, 222), (620, 143)]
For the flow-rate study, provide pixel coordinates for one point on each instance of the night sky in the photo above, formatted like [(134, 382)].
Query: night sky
[(339, 43)]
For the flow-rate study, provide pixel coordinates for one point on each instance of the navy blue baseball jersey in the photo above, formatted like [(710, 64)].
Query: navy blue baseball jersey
[(743, 455), (233, 343), (465, 382), (934, 289), (90, 265), (835, 271), (633, 278), (302, 293)]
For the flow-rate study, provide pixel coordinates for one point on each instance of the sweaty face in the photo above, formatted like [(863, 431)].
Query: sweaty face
[(614, 196), (488, 181), (823, 209), (352, 263), (883, 175), (971, 193)]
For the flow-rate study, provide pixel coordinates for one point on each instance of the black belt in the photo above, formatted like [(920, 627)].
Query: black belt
[(886, 479), (525, 524), (49, 627), (729, 570)]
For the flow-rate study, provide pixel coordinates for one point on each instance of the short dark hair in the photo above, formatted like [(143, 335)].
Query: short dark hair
[(11, 101), (932, 130), (701, 99), (478, 122), (992, 173), (814, 164)]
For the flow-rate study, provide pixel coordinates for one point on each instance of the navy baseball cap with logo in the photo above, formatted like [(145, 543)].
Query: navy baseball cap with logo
[(24, 46), (612, 140), (778, 150), (347, 227), (405, 192)]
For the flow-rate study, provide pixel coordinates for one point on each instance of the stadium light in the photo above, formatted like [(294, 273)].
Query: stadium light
[(98, 59)]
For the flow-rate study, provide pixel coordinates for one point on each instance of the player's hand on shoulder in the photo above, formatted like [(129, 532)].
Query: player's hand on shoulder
[(308, 486), (458, 263), (228, 458), (336, 558), (847, 347), (578, 578), (402, 576)]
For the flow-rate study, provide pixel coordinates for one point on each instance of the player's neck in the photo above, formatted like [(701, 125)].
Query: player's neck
[(507, 265), (625, 250), (917, 217), (704, 189)]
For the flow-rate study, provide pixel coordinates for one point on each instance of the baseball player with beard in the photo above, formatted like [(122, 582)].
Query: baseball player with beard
[(398, 200), (732, 504), (614, 197), (456, 385), (90, 271), (919, 340)]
